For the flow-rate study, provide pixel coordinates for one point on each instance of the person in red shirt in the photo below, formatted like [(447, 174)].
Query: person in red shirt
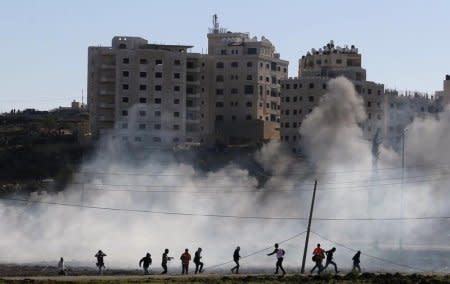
[(318, 256), (185, 258)]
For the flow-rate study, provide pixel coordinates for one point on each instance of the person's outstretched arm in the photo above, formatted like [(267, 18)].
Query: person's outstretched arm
[(274, 251)]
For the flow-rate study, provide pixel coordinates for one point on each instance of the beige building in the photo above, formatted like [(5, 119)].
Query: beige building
[(244, 86), (300, 95), (148, 93), (153, 93)]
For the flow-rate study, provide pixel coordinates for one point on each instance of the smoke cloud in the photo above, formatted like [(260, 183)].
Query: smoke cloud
[(271, 184)]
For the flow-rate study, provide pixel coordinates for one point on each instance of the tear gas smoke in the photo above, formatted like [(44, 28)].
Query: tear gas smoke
[(348, 188)]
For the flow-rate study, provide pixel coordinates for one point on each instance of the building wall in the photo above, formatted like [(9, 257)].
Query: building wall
[(245, 87), (300, 95)]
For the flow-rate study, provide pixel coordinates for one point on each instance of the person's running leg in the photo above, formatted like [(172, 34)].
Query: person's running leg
[(281, 265), (201, 267), (335, 266), (196, 267), (164, 266)]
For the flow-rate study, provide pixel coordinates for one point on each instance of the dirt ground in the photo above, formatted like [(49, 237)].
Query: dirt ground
[(232, 279)]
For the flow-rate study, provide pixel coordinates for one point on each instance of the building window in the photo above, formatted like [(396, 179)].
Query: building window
[(249, 64), (142, 100), (311, 98), (157, 101), (157, 126), (143, 74), (233, 117), (249, 77), (124, 125), (157, 139), (157, 113), (251, 50), (248, 117), (158, 87), (175, 140), (324, 86), (176, 75), (176, 101), (369, 91), (311, 85), (219, 91), (234, 64), (219, 78), (125, 86), (126, 60), (124, 113), (176, 88), (219, 117), (125, 99), (234, 91), (142, 112), (219, 104), (379, 116), (338, 61), (176, 62), (248, 89), (286, 125), (176, 114), (142, 126), (369, 104), (158, 62), (219, 65), (143, 61), (176, 127), (142, 87), (248, 104), (158, 74), (125, 73)]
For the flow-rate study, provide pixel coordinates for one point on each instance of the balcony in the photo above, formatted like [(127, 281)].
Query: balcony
[(106, 118), (197, 108), (106, 92), (193, 95), (107, 80), (194, 70), (108, 66), (106, 105)]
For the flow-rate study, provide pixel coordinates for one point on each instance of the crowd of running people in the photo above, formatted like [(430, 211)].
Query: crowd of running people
[(319, 255)]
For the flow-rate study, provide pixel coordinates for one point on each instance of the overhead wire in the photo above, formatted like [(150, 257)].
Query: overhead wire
[(219, 215), (368, 255)]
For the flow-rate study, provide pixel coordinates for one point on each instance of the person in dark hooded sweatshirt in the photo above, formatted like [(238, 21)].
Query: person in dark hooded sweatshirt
[(356, 261), (147, 261), (236, 257), (329, 260), (197, 261)]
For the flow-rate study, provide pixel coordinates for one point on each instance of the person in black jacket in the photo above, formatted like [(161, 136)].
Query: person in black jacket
[(236, 258), (147, 261), (165, 259), (329, 260), (197, 262), (100, 262), (356, 261)]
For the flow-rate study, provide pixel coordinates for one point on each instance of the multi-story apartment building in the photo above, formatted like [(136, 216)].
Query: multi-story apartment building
[(153, 93), (444, 95), (147, 93), (300, 95), (245, 86)]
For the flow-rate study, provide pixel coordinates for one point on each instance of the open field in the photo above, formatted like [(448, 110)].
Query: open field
[(231, 279)]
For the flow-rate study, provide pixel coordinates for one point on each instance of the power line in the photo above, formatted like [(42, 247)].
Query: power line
[(221, 215), (437, 166), (230, 189), (368, 255), (258, 251)]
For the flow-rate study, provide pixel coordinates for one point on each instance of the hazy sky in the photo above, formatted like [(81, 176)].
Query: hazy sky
[(44, 43)]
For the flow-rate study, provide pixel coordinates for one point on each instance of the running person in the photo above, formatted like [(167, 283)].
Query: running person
[(318, 256), (100, 262), (165, 259), (280, 256), (197, 262), (330, 260), (147, 261), (356, 261), (236, 258)]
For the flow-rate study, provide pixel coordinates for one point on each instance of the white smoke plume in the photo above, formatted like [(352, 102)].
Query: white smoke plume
[(337, 156)]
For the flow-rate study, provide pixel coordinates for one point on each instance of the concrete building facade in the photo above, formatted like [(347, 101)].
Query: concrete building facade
[(147, 93), (300, 95), (245, 86), (164, 94)]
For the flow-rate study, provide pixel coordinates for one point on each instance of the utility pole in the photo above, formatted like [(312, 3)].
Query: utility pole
[(309, 228)]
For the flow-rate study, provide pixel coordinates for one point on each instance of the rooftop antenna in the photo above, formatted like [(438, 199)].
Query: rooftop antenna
[(82, 97), (215, 23)]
